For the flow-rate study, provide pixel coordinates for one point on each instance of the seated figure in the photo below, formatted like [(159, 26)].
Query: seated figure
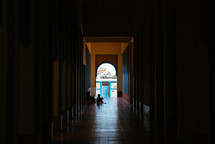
[(99, 99), (90, 99)]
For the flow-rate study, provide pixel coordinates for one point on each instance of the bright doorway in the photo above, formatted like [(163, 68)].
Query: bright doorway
[(106, 80)]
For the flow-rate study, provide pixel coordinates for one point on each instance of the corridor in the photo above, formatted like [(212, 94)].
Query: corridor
[(160, 92), (115, 122)]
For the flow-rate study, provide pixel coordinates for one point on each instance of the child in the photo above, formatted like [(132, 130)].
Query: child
[(99, 99)]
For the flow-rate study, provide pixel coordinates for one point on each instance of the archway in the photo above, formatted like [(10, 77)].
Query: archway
[(106, 80)]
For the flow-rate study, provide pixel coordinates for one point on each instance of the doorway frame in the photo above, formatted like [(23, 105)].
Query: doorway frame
[(96, 69)]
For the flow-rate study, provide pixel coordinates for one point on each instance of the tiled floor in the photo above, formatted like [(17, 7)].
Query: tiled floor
[(112, 123)]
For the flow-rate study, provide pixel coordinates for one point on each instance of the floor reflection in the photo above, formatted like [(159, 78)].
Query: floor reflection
[(112, 123), (107, 125)]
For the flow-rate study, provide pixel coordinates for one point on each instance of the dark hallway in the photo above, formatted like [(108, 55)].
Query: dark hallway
[(162, 89), (122, 125)]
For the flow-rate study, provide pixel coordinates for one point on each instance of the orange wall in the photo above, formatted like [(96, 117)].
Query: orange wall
[(106, 48)]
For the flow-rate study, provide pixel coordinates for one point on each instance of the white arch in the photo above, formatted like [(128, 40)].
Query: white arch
[(106, 71)]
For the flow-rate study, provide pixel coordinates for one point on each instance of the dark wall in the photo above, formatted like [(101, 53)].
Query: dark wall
[(171, 67), (33, 35), (108, 21), (211, 31), (0, 12)]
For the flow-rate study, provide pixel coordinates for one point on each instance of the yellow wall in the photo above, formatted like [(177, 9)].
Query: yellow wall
[(106, 48)]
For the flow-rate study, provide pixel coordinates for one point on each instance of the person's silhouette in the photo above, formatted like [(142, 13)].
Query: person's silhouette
[(90, 99), (99, 99)]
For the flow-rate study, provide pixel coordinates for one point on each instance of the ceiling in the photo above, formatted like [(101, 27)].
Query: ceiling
[(108, 18)]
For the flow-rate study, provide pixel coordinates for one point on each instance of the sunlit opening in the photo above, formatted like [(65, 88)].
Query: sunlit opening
[(106, 80)]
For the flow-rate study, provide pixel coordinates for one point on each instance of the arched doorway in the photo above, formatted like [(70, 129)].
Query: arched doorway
[(106, 80)]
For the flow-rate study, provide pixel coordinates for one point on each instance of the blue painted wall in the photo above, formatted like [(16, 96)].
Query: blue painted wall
[(109, 90), (125, 70), (88, 73)]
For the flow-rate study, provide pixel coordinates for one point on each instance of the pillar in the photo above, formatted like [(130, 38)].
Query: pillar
[(27, 73), (158, 63), (192, 87), (3, 72), (169, 66), (45, 73)]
